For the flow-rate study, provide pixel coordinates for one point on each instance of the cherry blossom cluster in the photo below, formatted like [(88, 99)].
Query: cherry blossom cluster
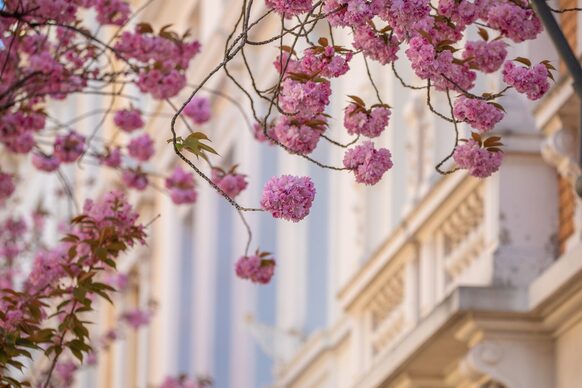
[(367, 163), (198, 109), (288, 197), (161, 58), (533, 82), (181, 186), (367, 122), (479, 114), (258, 268), (479, 159), (229, 181), (128, 119)]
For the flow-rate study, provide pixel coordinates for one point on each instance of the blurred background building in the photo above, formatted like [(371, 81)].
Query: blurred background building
[(420, 281)]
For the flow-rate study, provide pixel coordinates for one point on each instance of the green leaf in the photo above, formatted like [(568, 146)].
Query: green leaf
[(193, 143)]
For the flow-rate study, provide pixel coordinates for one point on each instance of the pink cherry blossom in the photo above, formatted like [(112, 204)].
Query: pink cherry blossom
[(516, 22), (46, 163), (367, 163), (289, 8), (65, 372), (308, 98), (135, 179), (288, 197), (479, 114), (325, 62), (402, 15), (255, 268), (68, 148), (179, 382), (379, 47), (463, 12), (115, 12), (361, 122), (259, 134), (112, 157), (438, 66), (487, 56), (137, 318), (181, 186), (198, 109), (344, 13), (46, 269), (7, 186), (478, 161), (128, 119), (141, 147), (533, 82), (299, 135), (229, 182)]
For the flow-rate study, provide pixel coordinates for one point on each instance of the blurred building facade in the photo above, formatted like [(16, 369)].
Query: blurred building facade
[(421, 281)]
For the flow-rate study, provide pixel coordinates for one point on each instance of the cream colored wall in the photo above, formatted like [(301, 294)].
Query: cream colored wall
[(569, 357)]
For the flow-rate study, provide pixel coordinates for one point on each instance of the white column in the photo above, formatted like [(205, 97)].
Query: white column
[(165, 279), (292, 261), (206, 227)]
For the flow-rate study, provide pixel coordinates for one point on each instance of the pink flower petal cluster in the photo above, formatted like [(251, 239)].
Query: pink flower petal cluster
[(351, 13), (298, 134), (137, 318), (162, 60), (135, 179), (259, 133), (255, 268), (478, 161), (198, 109), (46, 163), (7, 186), (479, 114), (114, 12), (289, 8), (47, 268), (68, 148), (486, 56), (325, 62), (531, 81), (141, 147), (367, 163), (229, 182), (128, 120), (288, 197), (17, 128), (371, 123), (438, 66), (516, 22), (112, 157), (161, 84), (65, 373), (403, 15), (179, 382), (379, 47), (181, 186), (113, 212), (462, 12), (308, 98), (285, 61), (117, 280)]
